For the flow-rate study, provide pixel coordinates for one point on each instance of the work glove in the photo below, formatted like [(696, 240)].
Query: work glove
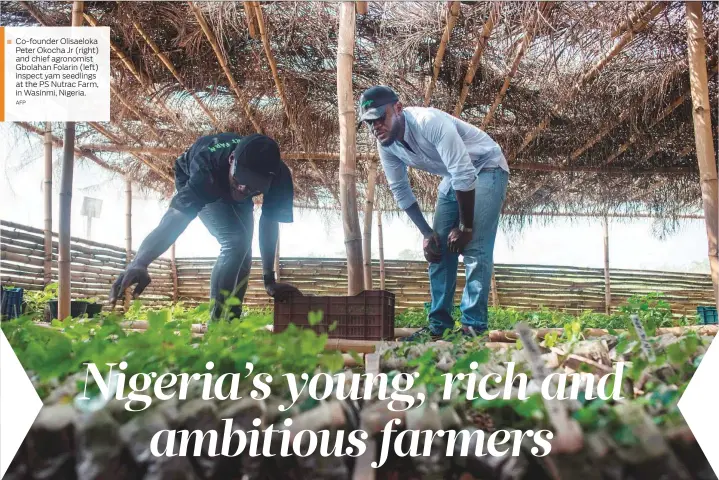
[(430, 245), (276, 290), (135, 274)]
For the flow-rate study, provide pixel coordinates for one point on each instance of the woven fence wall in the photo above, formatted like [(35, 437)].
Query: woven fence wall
[(96, 265), (521, 286)]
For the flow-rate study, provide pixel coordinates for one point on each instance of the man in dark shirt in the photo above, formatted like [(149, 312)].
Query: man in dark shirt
[(216, 179)]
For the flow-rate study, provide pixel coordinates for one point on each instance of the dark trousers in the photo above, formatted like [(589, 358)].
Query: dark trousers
[(232, 225)]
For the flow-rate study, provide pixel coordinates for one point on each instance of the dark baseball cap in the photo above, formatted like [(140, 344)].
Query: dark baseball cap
[(373, 101), (257, 162)]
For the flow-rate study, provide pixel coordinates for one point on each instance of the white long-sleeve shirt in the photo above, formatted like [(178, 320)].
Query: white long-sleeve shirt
[(441, 144)]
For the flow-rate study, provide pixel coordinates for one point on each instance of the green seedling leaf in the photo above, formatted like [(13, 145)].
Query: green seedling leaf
[(625, 437), (232, 302), (315, 318), (532, 408)]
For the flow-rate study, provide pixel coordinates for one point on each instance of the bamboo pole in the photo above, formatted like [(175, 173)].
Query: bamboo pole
[(34, 12), (636, 15), (495, 294), (175, 279), (68, 160), (474, 63), (362, 7), (168, 64), (48, 204), (367, 238), (381, 250), (277, 257), (77, 12), (607, 285), (273, 67), (590, 75), (543, 9), (703, 132), (348, 147), (529, 166), (128, 234), (602, 133), (121, 148), (452, 14), (250, 18), (212, 39)]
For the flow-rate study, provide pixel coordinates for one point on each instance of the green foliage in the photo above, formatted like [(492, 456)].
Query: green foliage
[(37, 299), (51, 355), (652, 309)]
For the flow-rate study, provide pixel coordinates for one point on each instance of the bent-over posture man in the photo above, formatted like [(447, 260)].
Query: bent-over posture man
[(216, 179), (469, 201)]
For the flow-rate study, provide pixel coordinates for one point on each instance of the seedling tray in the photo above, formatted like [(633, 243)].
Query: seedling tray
[(368, 315)]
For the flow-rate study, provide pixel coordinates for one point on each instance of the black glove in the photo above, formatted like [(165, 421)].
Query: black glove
[(134, 274), (278, 290)]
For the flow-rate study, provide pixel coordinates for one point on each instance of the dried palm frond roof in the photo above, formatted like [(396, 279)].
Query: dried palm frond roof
[(589, 100)]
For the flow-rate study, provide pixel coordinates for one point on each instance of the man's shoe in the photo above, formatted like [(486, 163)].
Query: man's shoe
[(423, 334)]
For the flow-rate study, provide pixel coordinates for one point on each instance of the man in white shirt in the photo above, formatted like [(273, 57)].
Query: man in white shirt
[(469, 201)]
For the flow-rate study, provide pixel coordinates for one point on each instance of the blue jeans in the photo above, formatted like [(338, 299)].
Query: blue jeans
[(232, 225), (490, 192)]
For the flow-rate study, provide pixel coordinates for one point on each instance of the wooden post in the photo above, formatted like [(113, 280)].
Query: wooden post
[(63, 264), (495, 295), (607, 283), (175, 283), (703, 132), (68, 160), (47, 264), (367, 239), (348, 147), (277, 257), (381, 249), (362, 7), (128, 234), (78, 7)]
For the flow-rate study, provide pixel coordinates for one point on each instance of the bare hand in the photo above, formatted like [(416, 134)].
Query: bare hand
[(129, 277), (432, 250), (457, 240)]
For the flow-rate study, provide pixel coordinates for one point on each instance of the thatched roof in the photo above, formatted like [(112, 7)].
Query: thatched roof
[(596, 115)]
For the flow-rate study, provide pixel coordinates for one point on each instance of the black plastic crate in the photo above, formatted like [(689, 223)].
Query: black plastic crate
[(368, 315), (12, 302)]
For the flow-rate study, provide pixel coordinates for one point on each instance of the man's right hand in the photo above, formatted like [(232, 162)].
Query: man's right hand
[(133, 274), (432, 250)]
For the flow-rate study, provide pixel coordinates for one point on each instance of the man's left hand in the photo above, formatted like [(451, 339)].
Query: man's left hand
[(281, 290), (457, 240)]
